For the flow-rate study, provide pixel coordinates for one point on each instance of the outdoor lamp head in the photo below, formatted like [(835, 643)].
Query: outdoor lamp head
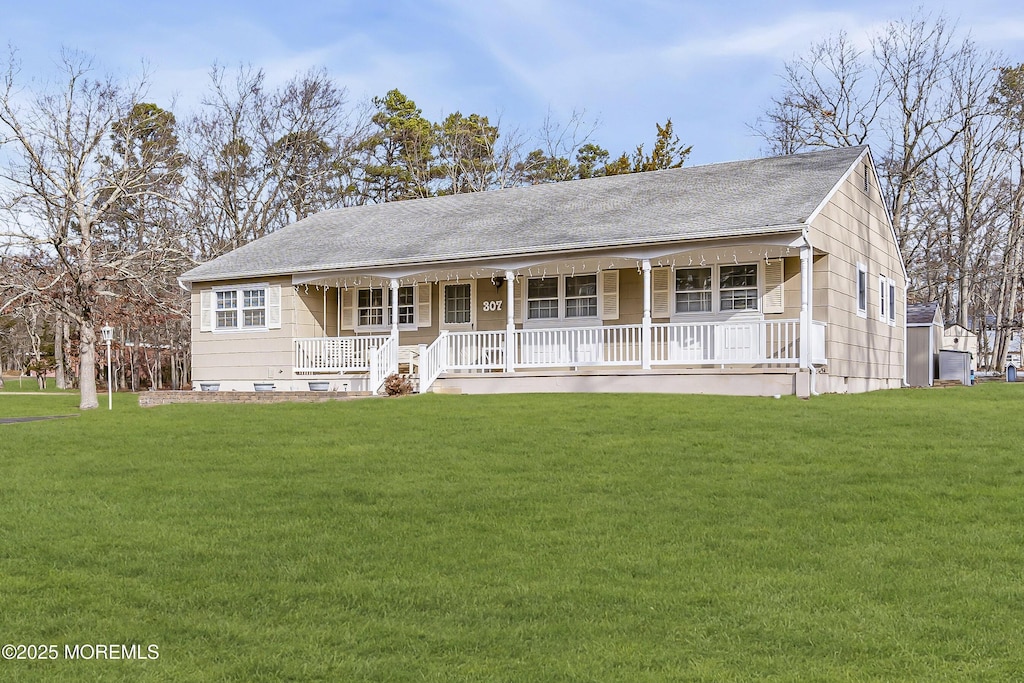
[(108, 332)]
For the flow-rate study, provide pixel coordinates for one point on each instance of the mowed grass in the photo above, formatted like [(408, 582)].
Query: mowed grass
[(876, 537)]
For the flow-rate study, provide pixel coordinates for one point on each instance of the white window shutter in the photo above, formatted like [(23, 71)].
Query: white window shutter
[(518, 299), (423, 311), (773, 301), (661, 292), (609, 301), (206, 310), (348, 309), (274, 307)]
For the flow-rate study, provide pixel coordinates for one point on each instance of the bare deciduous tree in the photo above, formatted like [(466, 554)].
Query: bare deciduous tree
[(63, 186), (831, 98), (261, 158)]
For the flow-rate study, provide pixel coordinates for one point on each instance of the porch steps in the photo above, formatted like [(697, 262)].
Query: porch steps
[(444, 390)]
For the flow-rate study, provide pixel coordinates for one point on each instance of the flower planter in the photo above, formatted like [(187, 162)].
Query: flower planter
[(209, 386), (319, 386), (263, 386)]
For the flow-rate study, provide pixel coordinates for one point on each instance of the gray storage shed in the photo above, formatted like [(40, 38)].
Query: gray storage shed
[(955, 365), (924, 340)]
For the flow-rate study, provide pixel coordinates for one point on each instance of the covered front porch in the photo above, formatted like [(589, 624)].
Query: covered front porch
[(755, 344), (605, 314)]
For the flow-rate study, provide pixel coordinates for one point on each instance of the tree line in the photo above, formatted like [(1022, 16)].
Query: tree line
[(945, 120), (106, 197)]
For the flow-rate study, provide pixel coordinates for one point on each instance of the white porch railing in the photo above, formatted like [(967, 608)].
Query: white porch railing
[(758, 342), (383, 363), (476, 351), (576, 346), (336, 354), (719, 343)]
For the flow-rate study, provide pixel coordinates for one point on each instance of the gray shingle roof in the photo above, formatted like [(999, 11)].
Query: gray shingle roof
[(922, 314), (739, 198)]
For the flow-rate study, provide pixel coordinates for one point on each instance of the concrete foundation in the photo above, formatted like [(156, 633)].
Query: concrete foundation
[(758, 382)]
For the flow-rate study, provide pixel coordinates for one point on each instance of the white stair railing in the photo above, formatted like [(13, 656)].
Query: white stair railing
[(383, 363), (433, 361)]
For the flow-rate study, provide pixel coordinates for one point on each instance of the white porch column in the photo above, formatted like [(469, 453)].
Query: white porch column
[(645, 323), (394, 309), (510, 321), (806, 267)]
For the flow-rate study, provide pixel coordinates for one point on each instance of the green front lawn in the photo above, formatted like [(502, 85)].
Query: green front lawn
[(21, 384), (876, 537)]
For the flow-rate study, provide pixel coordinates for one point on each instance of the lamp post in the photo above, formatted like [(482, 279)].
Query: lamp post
[(108, 334)]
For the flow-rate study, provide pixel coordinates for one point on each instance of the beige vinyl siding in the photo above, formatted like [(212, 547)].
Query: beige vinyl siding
[(631, 297), (245, 356), (853, 228), (485, 291), (310, 313), (426, 335)]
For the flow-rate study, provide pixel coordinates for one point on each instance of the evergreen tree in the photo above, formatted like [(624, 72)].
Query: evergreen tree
[(399, 152)]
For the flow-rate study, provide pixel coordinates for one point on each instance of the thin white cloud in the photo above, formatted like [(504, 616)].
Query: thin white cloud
[(1008, 31)]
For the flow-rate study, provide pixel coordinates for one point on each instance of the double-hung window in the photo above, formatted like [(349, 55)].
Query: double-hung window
[(883, 298), (406, 305), (373, 307), (713, 289), (370, 307), (562, 297), (581, 296), (693, 290), (542, 298), (254, 308), (738, 287), (862, 290), (892, 302), (227, 310), (241, 309)]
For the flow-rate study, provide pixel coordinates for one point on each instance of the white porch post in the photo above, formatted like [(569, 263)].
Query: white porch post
[(510, 322), (394, 309), (806, 267), (645, 328)]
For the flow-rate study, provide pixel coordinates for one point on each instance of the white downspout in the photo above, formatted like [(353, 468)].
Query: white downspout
[(906, 382)]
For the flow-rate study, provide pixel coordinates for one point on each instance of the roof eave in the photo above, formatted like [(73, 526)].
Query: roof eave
[(185, 281)]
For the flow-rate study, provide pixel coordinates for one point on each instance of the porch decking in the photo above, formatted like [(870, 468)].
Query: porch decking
[(763, 344)]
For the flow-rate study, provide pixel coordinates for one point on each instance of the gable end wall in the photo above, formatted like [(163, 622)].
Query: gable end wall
[(853, 227)]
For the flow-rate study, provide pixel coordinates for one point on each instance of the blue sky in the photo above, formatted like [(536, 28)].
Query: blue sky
[(711, 67)]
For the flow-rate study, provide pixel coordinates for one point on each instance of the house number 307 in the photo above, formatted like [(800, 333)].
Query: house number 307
[(492, 305)]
